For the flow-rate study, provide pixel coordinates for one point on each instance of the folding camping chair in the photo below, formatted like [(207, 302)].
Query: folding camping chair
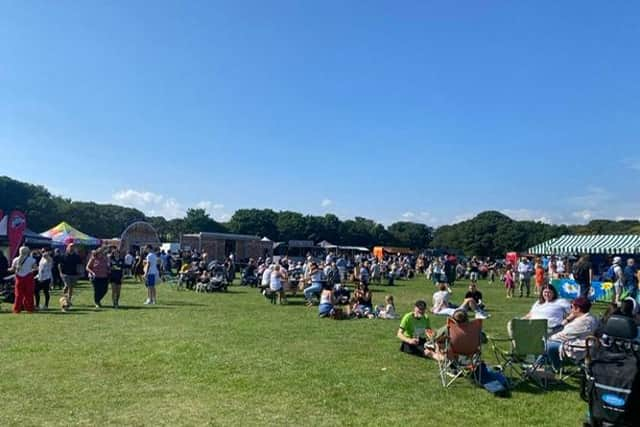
[(526, 355), (462, 350)]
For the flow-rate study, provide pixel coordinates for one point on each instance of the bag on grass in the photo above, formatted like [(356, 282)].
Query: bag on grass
[(492, 381)]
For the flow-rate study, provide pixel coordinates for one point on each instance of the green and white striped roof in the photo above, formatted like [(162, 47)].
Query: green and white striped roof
[(589, 244)]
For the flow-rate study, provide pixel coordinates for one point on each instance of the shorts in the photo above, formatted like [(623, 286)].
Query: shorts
[(69, 280), (150, 282)]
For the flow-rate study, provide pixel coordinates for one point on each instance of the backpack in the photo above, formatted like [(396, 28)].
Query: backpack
[(612, 386), (610, 274)]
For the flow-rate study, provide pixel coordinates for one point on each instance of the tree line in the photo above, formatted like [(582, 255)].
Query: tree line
[(490, 233)]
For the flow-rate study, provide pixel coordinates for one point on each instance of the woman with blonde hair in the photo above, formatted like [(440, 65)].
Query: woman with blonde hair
[(23, 266)]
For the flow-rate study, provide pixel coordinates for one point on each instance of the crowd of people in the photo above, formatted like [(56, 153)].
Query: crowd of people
[(39, 271)]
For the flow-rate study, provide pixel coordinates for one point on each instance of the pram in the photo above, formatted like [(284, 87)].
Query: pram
[(611, 382), (218, 280), (7, 288)]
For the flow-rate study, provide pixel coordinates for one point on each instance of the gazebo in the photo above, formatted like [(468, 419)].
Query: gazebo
[(606, 244), (64, 234)]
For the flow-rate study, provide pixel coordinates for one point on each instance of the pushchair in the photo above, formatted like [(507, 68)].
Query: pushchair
[(218, 280), (7, 289), (611, 381)]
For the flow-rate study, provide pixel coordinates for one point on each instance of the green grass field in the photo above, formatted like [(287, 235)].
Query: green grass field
[(235, 359)]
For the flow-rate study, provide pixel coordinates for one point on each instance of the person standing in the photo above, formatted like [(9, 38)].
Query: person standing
[(98, 269), (630, 274), (524, 276), (55, 271), (69, 270), (151, 274), (43, 283), (128, 264), (618, 279), (583, 275), (116, 264), (23, 266), (4, 266)]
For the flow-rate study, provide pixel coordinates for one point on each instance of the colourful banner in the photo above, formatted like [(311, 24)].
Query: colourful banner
[(569, 289), (16, 224)]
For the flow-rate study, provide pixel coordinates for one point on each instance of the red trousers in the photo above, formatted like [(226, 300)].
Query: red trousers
[(25, 287)]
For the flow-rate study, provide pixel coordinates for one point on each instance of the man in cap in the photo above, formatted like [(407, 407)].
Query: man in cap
[(413, 330)]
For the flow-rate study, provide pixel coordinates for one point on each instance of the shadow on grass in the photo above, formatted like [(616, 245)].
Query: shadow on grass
[(183, 304), (554, 386)]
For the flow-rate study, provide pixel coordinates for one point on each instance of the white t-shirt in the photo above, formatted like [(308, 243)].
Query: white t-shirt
[(152, 262), (27, 266), (128, 259), (554, 311), (619, 275), (440, 300), (44, 269), (266, 277), (560, 266), (276, 283)]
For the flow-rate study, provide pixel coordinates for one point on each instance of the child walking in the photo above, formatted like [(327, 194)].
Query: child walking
[(509, 283)]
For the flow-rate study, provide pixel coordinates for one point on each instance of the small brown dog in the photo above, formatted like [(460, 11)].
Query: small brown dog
[(64, 303)]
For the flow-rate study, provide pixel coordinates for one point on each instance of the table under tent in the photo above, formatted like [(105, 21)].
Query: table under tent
[(601, 247)]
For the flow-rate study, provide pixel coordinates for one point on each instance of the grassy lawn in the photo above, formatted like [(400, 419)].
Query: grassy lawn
[(232, 359)]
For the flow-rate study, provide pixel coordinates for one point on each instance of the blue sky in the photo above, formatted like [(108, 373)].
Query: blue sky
[(418, 110)]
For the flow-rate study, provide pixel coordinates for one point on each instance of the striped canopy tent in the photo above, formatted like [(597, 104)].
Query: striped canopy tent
[(542, 248), (589, 244), (64, 234)]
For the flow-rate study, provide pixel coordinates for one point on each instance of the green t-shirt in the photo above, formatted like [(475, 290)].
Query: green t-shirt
[(412, 327)]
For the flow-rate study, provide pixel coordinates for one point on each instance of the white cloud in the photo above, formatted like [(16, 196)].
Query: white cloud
[(149, 203), (462, 217), (137, 197), (584, 215), (326, 203), (215, 210), (408, 215), (528, 215)]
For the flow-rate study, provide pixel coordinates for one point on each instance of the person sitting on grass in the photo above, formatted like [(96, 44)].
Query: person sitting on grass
[(443, 306), (414, 329), (326, 306), (362, 302), (569, 343), (387, 311)]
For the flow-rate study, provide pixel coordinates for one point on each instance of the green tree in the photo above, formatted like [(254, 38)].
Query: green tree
[(258, 222), (411, 234), (198, 220)]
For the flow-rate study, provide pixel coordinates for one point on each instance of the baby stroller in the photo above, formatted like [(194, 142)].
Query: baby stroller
[(611, 382), (218, 280), (7, 289), (249, 278)]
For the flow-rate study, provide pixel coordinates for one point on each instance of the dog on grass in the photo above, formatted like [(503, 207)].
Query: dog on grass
[(64, 303), (201, 287)]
